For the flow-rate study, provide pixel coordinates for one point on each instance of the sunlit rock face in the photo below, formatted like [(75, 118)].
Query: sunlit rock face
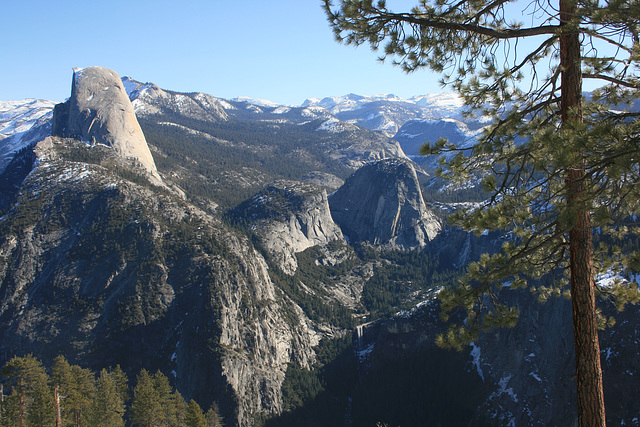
[(381, 203), (290, 217), (99, 111)]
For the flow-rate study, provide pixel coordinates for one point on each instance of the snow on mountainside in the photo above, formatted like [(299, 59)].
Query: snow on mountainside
[(133, 87), (25, 122), (412, 122), (439, 104), (388, 113), (258, 102), (149, 99), (21, 124), (19, 116)]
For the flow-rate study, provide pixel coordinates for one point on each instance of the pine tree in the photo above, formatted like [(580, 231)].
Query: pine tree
[(30, 402), (146, 407), (76, 389), (122, 383), (63, 382), (556, 166), (195, 417), (9, 410), (179, 408), (83, 395), (109, 403), (213, 416), (155, 402), (172, 404)]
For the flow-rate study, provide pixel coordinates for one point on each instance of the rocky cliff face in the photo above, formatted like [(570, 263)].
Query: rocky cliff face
[(382, 203), (526, 369), (289, 217), (107, 271), (99, 111)]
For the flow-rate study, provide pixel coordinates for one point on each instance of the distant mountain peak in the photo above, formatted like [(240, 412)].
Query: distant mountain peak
[(258, 102), (134, 87), (387, 113)]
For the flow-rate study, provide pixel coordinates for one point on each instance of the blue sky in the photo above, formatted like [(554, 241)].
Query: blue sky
[(280, 50)]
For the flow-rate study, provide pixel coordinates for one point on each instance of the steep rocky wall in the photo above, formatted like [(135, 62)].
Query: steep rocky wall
[(382, 203), (257, 341), (99, 111), (289, 217)]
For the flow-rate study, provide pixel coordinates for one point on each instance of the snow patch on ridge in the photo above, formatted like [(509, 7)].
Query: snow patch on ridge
[(475, 355), (331, 126), (257, 102), (22, 123), (20, 116), (502, 389), (612, 278)]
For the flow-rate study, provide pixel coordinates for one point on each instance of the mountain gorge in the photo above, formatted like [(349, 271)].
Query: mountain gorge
[(281, 262)]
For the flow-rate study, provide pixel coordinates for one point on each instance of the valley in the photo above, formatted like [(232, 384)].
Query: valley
[(279, 262)]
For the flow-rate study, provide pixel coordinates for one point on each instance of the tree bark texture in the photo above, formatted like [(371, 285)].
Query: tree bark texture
[(590, 403), (56, 397)]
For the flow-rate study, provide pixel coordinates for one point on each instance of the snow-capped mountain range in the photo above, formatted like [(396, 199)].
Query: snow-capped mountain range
[(387, 113), (89, 234), (410, 121), (433, 106)]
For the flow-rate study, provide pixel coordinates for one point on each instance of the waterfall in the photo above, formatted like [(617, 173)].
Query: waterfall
[(359, 337)]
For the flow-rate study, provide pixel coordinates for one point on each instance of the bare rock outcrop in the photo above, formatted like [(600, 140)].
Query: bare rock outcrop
[(381, 203), (99, 111), (289, 217)]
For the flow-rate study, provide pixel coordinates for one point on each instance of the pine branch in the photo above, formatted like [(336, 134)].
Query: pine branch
[(620, 82), (389, 17)]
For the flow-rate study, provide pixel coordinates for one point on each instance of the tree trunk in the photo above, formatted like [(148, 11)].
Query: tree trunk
[(590, 403), (21, 403), (56, 397)]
